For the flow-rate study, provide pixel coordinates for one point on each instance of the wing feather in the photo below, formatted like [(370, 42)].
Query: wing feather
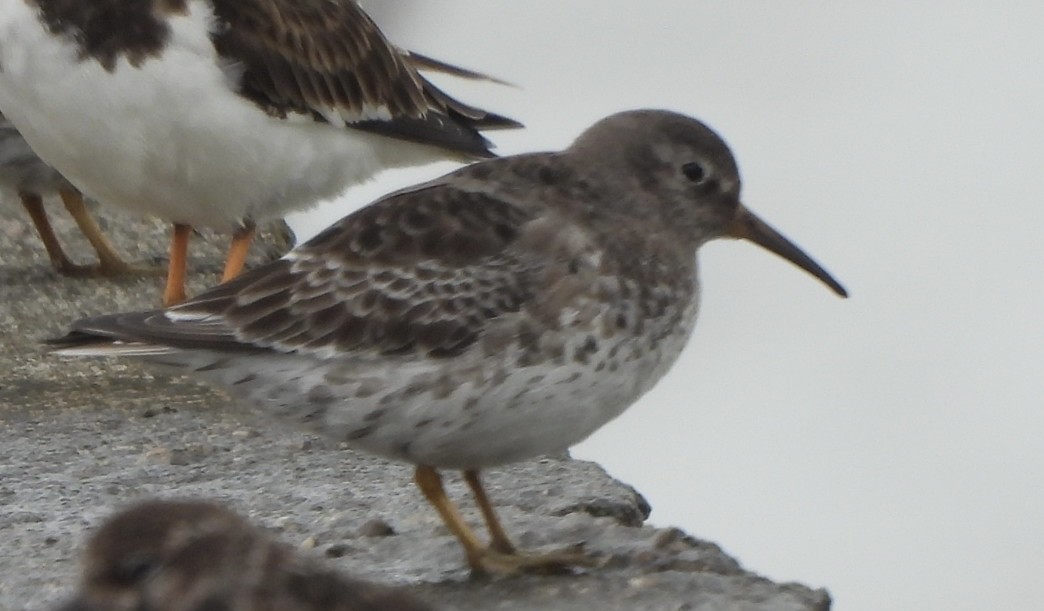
[(328, 59), (421, 272)]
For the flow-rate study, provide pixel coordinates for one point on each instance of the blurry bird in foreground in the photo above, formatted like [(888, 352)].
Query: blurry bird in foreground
[(199, 556)]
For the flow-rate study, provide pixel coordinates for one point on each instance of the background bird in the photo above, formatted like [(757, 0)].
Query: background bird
[(223, 113), (501, 312), (32, 180)]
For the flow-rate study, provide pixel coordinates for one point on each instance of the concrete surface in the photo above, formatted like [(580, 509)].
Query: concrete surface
[(79, 438)]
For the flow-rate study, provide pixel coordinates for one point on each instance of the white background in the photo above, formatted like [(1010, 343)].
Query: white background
[(891, 447)]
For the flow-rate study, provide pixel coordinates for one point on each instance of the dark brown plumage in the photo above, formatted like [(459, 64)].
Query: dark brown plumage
[(106, 30), (299, 57)]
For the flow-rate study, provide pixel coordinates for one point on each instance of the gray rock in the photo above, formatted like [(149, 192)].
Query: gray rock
[(79, 438)]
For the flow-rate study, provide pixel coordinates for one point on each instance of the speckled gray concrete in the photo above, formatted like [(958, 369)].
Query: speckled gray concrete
[(79, 438)]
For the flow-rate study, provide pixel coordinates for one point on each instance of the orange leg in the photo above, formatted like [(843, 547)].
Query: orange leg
[(237, 251), (499, 538), (61, 263), (430, 483), (109, 262), (174, 293), (500, 558)]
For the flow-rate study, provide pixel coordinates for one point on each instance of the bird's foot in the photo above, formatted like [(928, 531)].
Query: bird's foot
[(492, 563), (107, 269), (123, 269)]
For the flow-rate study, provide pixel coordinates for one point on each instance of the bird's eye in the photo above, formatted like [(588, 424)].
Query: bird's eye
[(694, 172)]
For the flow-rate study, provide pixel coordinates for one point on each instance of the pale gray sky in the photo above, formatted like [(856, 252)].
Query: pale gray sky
[(891, 447)]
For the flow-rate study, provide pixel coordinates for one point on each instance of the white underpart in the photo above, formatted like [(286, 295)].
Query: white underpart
[(471, 411), (171, 138)]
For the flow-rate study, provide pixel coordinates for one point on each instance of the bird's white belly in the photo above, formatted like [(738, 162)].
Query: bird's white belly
[(461, 413), (170, 137)]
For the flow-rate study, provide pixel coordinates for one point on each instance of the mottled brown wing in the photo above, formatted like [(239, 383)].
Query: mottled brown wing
[(422, 271), (312, 54), (327, 58)]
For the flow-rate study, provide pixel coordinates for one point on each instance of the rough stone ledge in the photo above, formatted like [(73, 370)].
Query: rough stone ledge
[(81, 438)]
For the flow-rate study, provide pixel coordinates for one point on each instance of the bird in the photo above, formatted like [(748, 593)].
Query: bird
[(504, 311), (223, 113), (191, 555), (24, 173)]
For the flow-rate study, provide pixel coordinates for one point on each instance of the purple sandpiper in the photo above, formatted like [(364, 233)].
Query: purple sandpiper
[(501, 312)]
